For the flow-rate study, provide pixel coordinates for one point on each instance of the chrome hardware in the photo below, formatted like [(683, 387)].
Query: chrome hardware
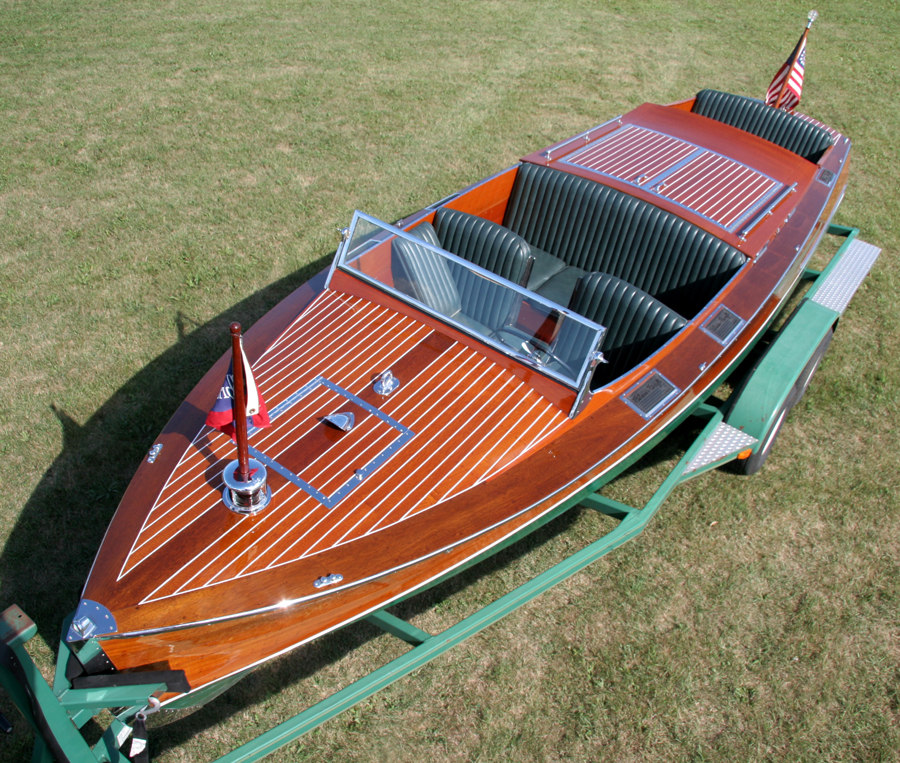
[(154, 452), (91, 619), (703, 365), (84, 627), (343, 421), (246, 497), (548, 154), (386, 383), (343, 234), (154, 707), (650, 395), (584, 391), (723, 325), (826, 176), (327, 580), (767, 211)]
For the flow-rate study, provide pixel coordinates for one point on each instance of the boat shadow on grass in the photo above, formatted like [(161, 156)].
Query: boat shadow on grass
[(52, 545)]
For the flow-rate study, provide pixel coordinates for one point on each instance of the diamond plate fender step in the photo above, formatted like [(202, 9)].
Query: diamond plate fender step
[(841, 284), (723, 445)]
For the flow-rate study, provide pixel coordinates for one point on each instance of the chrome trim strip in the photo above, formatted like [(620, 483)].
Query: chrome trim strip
[(359, 475), (767, 211), (548, 154), (443, 201), (345, 237)]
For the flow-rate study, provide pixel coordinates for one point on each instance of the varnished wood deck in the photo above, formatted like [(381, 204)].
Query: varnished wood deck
[(468, 419)]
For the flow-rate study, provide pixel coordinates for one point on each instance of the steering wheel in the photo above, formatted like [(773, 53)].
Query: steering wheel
[(529, 347)]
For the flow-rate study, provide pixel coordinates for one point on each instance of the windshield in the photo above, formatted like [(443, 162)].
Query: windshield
[(519, 323)]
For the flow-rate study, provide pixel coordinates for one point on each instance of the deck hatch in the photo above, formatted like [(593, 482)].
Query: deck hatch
[(357, 474), (711, 185), (723, 325), (650, 394)]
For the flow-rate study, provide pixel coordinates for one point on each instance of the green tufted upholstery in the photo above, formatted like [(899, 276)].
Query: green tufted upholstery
[(575, 225), (751, 115), (484, 243), (424, 274), (454, 291), (636, 324)]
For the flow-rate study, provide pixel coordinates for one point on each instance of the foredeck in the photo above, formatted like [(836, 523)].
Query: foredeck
[(457, 419)]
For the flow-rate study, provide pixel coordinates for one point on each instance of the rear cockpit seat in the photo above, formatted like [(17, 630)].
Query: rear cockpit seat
[(774, 125)]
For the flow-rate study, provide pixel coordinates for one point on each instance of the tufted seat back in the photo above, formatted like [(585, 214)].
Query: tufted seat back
[(425, 275), (452, 290), (484, 243), (593, 227), (751, 115), (636, 324)]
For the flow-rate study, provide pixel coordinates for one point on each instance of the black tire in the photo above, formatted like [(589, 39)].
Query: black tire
[(806, 375), (754, 463)]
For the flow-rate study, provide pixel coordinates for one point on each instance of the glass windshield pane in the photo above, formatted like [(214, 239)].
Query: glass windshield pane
[(519, 323)]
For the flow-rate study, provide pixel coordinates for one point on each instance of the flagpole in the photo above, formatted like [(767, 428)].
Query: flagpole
[(239, 404), (813, 15)]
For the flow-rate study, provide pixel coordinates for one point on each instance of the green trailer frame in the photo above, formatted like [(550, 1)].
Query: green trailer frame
[(748, 421)]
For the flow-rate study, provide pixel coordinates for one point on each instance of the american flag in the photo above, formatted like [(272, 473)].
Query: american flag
[(784, 92)]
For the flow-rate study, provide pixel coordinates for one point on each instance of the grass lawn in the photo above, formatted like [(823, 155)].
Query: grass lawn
[(166, 168)]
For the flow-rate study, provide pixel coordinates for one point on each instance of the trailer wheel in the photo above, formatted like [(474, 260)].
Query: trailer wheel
[(806, 375), (754, 463)]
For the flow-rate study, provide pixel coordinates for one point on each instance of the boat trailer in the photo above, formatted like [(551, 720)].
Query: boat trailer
[(743, 427)]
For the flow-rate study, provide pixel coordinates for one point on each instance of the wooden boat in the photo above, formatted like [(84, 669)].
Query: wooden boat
[(453, 380)]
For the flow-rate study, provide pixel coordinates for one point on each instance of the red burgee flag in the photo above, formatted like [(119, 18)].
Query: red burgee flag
[(221, 416), (784, 92)]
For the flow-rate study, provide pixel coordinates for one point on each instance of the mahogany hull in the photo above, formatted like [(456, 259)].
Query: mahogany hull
[(473, 449)]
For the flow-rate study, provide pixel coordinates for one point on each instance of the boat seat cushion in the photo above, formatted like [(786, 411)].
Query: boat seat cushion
[(752, 115), (475, 301), (484, 243), (593, 227), (560, 286), (636, 324), (545, 267), (424, 274)]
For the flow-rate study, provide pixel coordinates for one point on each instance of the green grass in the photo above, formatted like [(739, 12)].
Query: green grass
[(168, 167)]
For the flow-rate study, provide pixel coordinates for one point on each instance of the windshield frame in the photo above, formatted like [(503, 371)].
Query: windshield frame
[(342, 261)]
